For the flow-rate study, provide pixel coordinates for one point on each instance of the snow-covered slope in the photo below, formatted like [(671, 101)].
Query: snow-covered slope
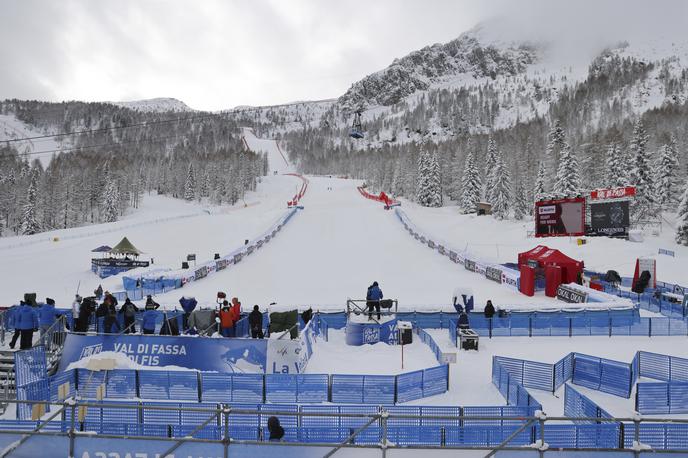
[(162, 104), (13, 128), (277, 158)]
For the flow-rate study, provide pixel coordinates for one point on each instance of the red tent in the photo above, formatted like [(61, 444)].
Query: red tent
[(544, 256)]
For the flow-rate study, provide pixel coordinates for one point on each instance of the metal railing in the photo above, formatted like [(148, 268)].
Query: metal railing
[(223, 417)]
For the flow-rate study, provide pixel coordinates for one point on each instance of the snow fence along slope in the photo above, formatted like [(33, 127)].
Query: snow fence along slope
[(170, 280)]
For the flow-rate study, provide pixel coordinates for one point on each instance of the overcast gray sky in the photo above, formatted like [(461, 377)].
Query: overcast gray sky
[(216, 54)]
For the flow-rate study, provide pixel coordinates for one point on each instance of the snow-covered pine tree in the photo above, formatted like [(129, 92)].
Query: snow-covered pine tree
[(429, 192), (682, 219), (640, 175), (521, 205), (615, 168), (568, 180), (501, 195), (29, 219), (455, 190), (665, 173), (556, 142), (190, 184), (539, 191), (111, 202), (470, 185), (490, 163)]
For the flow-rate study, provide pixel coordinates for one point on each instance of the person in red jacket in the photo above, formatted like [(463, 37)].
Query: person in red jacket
[(226, 320)]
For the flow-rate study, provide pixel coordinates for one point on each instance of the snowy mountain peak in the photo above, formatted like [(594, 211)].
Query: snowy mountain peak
[(161, 104)]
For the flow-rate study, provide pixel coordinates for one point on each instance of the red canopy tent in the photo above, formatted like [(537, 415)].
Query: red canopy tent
[(558, 268)]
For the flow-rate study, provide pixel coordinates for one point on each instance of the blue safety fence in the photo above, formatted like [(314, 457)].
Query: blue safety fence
[(302, 388), (511, 386), (453, 332), (581, 435), (658, 436), (579, 405), (662, 367), (427, 339), (31, 379), (662, 398), (606, 375), (563, 370)]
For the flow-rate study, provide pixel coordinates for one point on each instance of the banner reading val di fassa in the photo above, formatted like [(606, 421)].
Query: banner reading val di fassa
[(198, 353), (561, 217)]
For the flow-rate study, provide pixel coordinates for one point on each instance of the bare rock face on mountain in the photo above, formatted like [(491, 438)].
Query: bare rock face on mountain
[(418, 70)]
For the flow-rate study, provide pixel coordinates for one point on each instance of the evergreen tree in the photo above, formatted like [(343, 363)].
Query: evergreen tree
[(490, 163), (665, 173), (29, 219), (429, 191), (456, 187), (682, 219), (556, 143), (111, 202), (539, 192), (640, 175), (190, 184), (470, 185), (521, 204), (615, 168), (501, 194), (568, 181)]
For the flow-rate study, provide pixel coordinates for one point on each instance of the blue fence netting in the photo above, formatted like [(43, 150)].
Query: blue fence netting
[(662, 398), (579, 405), (606, 375)]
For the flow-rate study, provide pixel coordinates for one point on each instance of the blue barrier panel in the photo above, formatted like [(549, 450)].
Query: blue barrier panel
[(538, 375), (153, 385), (581, 436), (59, 379), (121, 384), (119, 415), (216, 387), (563, 370), (247, 388), (34, 391), (290, 423), (658, 436), (415, 435), (189, 417), (244, 426), (89, 381), (578, 405), (652, 398), (183, 385), (486, 436), (409, 386), (403, 410), (616, 378), (210, 432), (379, 389), (151, 416), (655, 366), (435, 380), (281, 388), (30, 365), (347, 388), (587, 371), (453, 338), (494, 411), (312, 387)]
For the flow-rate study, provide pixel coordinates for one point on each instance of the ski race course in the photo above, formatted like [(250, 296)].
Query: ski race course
[(335, 244)]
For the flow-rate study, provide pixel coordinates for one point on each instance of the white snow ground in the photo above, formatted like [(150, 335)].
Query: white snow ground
[(277, 157)]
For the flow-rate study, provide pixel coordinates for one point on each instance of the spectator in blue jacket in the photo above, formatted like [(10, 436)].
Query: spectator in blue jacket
[(47, 315), (148, 323), (11, 323), (188, 304), (27, 322), (373, 297)]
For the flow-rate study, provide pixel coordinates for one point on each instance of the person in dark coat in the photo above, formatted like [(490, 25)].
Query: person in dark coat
[(98, 292), (129, 311), (373, 299), (108, 311), (188, 305), (255, 321), (463, 321), (27, 323), (86, 309), (151, 304), (275, 429), (489, 309)]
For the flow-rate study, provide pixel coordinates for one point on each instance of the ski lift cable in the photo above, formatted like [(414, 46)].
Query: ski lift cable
[(219, 114)]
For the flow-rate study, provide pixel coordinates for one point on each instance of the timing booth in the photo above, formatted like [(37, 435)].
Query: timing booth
[(549, 264), (123, 257)]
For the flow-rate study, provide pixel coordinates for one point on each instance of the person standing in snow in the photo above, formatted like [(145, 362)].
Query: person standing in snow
[(129, 311), (373, 298), (27, 323), (151, 304), (255, 321), (236, 313), (489, 309), (226, 320), (46, 315), (98, 292), (463, 321), (75, 312)]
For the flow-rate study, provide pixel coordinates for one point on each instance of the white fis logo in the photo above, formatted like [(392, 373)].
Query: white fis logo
[(91, 350)]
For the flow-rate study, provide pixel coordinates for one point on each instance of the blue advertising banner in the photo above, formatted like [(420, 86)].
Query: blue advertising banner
[(198, 353)]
